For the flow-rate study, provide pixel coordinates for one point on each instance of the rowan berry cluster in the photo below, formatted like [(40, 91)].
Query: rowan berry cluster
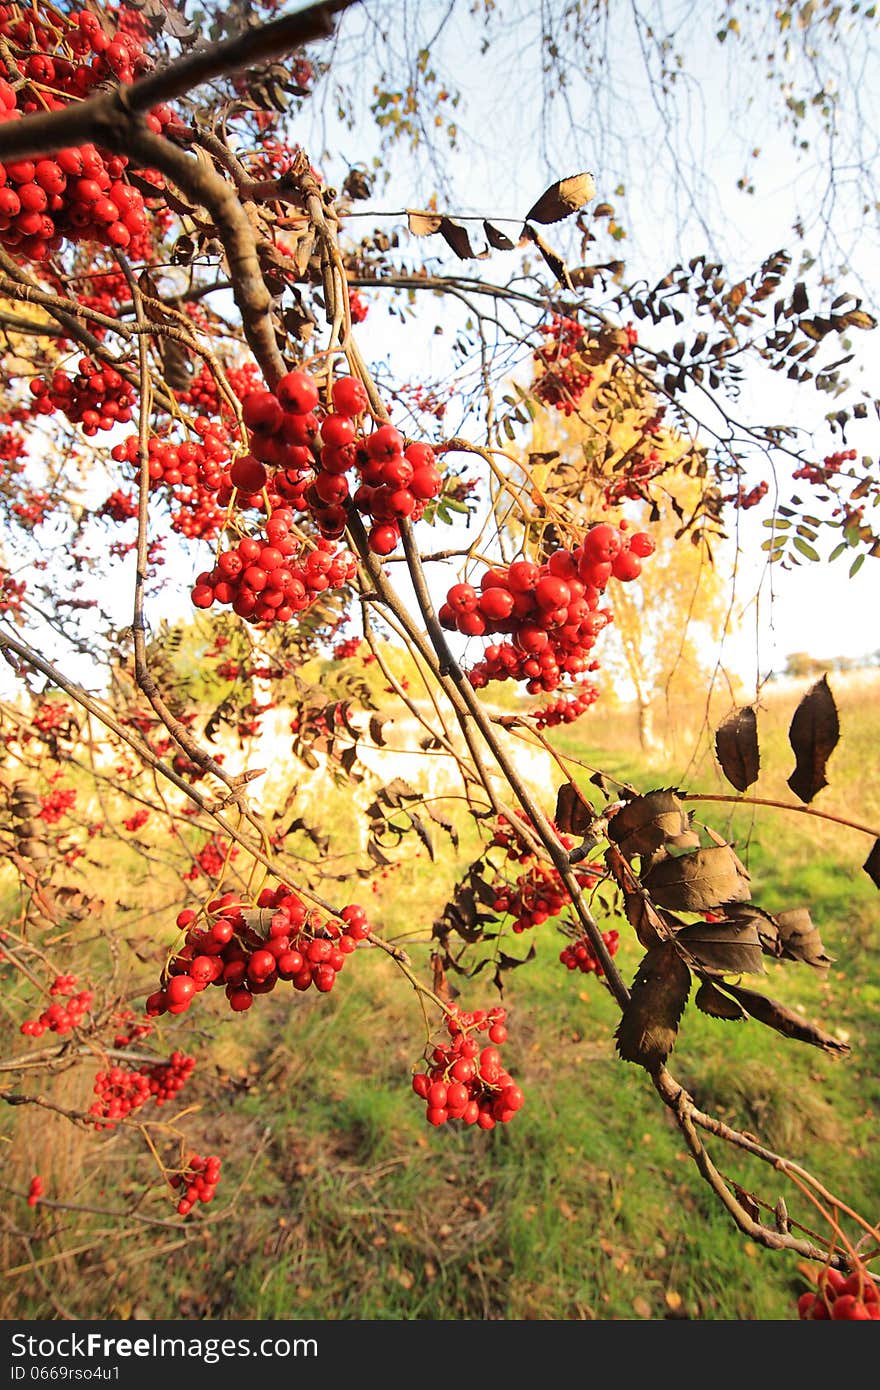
[(819, 473), (566, 711), (249, 948), (79, 193), (211, 858), (198, 1180), (631, 483), (97, 398), (35, 1190), (465, 1080), (551, 611), (134, 822), (562, 381), (60, 1018), (272, 579), (346, 647), (844, 1298), (579, 954), (124, 1089), (56, 804), (746, 498)]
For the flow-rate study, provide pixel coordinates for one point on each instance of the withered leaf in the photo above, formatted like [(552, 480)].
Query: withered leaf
[(376, 854), (791, 1025), (444, 822), (871, 865), (646, 822), (554, 261), (736, 747), (649, 1023), (377, 726), (725, 948), (640, 912), (423, 833), (697, 881), (497, 239), (857, 318), (456, 238), (714, 1002), (562, 199), (799, 938), (423, 223), (813, 735), (574, 814)]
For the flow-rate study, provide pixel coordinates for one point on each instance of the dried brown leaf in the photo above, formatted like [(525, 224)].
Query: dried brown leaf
[(574, 814), (698, 881), (736, 747), (791, 1025), (456, 237), (799, 938), (714, 1002), (497, 239), (813, 735), (647, 822), (423, 223), (871, 865), (562, 199), (649, 1023), (724, 948), (554, 261)]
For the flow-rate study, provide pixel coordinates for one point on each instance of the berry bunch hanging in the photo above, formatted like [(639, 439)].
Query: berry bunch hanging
[(464, 1078), (249, 949)]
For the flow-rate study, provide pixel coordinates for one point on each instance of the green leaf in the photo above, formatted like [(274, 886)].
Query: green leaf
[(807, 550), (856, 565)]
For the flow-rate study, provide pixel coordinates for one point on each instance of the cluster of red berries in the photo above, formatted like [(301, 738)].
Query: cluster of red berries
[(852, 1298), (199, 1182), (57, 1017), (249, 949), (121, 1090), (579, 955), (562, 381), (79, 192), (746, 498), (195, 471), (551, 611), (35, 1191), (211, 858), (466, 1081), (632, 482), (566, 710), (271, 580), (133, 823), (56, 804), (97, 398), (537, 895), (346, 647), (820, 473)]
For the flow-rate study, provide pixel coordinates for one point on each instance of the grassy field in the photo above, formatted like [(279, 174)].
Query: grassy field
[(339, 1202)]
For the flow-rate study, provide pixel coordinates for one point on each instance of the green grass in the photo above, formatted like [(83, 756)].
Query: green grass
[(339, 1202)]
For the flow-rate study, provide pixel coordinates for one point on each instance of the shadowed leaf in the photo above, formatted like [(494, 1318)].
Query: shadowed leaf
[(714, 1002), (553, 259), (562, 199), (813, 735), (791, 1025), (649, 1023), (641, 914), (457, 239), (725, 948), (736, 747), (871, 865), (698, 881), (497, 239), (647, 822), (574, 814), (799, 938)]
